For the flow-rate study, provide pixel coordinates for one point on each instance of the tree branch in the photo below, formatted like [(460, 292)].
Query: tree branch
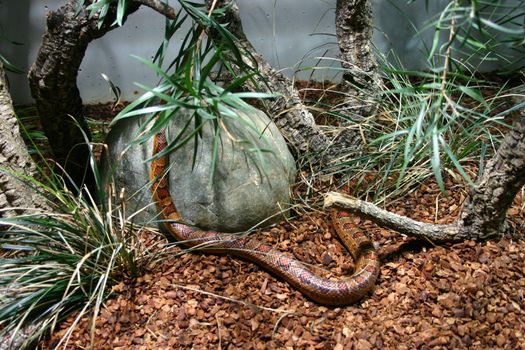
[(361, 78), (291, 116), (386, 219), (159, 6), (53, 83)]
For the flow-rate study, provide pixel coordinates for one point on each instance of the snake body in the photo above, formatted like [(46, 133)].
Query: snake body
[(341, 291)]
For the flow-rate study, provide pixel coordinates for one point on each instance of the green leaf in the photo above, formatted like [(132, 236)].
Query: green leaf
[(455, 161), (208, 68), (506, 30), (10, 67), (475, 94), (121, 12)]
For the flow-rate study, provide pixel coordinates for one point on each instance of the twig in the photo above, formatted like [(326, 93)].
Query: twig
[(386, 219), (160, 6), (254, 307), (448, 53)]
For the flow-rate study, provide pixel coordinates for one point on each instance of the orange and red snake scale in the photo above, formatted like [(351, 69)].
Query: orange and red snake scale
[(341, 291)]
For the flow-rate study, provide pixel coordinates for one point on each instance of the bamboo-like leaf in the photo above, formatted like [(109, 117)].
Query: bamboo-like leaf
[(208, 68), (455, 161), (170, 28), (121, 12), (9, 66), (435, 41), (500, 28), (473, 93), (155, 67)]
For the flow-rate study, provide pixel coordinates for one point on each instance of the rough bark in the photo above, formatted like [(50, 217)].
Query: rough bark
[(53, 82), (289, 113), (484, 210), (161, 6), (486, 205), (362, 80), (15, 197)]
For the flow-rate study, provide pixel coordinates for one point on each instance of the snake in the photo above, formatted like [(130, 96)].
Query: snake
[(342, 290)]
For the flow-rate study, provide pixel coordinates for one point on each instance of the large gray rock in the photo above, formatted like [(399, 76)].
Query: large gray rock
[(248, 187)]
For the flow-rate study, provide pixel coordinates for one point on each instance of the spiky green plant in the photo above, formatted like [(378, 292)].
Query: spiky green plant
[(480, 31), (432, 125), (28, 118), (64, 259)]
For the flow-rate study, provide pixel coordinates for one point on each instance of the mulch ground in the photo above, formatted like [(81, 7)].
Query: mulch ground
[(462, 296)]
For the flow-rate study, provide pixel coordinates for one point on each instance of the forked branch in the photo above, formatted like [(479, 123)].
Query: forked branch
[(386, 219)]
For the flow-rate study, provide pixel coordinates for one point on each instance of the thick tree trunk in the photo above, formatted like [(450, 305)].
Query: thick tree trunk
[(484, 210), (53, 82), (289, 113), (15, 197), (354, 32)]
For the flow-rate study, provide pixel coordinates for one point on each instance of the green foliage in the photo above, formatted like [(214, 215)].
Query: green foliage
[(481, 31), (9, 66), (207, 50), (449, 118), (438, 123), (102, 8), (439, 119)]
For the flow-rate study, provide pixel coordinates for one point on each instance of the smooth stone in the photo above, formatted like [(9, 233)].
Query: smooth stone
[(248, 188)]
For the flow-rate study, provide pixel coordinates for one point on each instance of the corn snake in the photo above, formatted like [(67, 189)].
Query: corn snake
[(340, 291)]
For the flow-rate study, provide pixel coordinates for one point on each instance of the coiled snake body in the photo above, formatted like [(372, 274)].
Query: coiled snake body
[(344, 290)]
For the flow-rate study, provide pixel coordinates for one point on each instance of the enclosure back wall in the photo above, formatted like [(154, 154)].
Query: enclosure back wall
[(289, 33)]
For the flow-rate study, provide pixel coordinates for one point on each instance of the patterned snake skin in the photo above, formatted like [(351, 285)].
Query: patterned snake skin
[(341, 291)]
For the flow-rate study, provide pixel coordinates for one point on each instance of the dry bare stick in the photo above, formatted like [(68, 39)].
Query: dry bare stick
[(386, 219)]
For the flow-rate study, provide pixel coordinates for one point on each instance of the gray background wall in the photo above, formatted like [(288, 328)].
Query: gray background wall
[(289, 33)]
